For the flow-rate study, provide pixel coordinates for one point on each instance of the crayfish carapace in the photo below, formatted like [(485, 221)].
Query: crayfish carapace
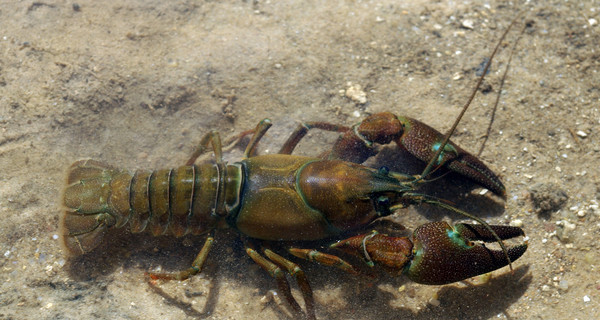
[(284, 197)]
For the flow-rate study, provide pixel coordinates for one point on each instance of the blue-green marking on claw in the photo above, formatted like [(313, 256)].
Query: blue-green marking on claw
[(457, 239), (447, 148)]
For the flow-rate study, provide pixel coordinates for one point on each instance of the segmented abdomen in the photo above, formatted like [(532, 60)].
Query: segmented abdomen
[(188, 199)]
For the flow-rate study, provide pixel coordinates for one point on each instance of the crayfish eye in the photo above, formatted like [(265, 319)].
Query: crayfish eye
[(384, 170), (382, 206), (383, 201)]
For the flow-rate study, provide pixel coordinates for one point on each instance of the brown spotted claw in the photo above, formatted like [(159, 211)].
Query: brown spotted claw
[(437, 253)]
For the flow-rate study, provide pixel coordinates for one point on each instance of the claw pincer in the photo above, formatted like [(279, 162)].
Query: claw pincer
[(437, 253), (419, 139)]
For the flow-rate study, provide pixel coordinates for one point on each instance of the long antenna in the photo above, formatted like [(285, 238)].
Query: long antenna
[(433, 160), (489, 128)]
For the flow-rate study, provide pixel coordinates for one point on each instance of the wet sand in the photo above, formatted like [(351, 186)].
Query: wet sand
[(136, 84)]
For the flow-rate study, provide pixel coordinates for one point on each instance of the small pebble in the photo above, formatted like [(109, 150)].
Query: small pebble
[(589, 258), (467, 24), (592, 22), (563, 285), (270, 296), (586, 299), (565, 230), (594, 207), (516, 223), (356, 93), (434, 302), (581, 134), (545, 287)]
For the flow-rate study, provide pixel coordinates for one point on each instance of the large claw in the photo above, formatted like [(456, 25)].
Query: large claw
[(443, 254), (417, 138), (437, 253)]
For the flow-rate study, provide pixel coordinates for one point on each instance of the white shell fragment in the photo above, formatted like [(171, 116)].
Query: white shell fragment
[(467, 24), (516, 223), (356, 94)]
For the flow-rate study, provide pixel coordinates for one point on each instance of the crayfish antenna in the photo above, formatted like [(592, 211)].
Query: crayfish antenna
[(432, 162), (493, 115), (432, 165)]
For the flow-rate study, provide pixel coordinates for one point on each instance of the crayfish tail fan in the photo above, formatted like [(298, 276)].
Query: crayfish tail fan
[(86, 213)]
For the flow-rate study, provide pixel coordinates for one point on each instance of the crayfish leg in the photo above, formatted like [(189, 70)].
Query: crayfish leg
[(323, 259), (259, 132), (196, 267), (274, 268), (213, 138), (294, 270), (301, 131)]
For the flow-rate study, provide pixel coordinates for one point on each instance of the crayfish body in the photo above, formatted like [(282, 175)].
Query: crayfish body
[(282, 198), (271, 197)]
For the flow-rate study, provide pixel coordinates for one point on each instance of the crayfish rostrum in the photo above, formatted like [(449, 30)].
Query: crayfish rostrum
[(281, 198)]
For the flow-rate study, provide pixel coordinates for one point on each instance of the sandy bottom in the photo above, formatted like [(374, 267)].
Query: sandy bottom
[(137, 84)]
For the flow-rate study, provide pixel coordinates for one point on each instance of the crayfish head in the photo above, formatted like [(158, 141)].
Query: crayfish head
[(347, 194)]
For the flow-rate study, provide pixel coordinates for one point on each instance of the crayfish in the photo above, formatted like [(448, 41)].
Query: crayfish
[(286, 198)]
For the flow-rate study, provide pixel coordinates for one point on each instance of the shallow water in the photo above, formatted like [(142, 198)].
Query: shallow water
[(138, 84)]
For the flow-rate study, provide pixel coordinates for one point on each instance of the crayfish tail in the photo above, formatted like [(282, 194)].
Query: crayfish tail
[(88, 237), (85, 217)]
